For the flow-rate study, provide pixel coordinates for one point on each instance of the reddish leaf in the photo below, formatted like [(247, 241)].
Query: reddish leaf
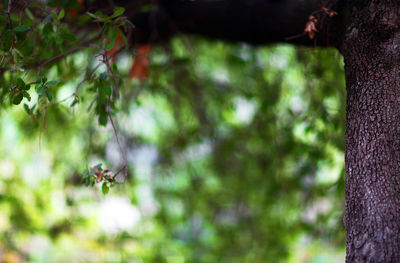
[(310, 27), (117, 45), (140, 66)]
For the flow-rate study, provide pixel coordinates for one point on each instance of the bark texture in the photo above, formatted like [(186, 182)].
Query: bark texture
[(371, 51)]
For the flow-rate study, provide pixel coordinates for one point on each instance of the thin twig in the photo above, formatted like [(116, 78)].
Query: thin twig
[(90, 75), (295, 36), (86, 78), (114, 78), (71, 51), (123, 152), (60, 101), (9, 6)]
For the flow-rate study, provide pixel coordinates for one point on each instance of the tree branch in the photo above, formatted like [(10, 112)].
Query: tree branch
[(252, 21)]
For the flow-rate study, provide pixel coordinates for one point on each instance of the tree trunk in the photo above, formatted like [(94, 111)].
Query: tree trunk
[(372, 63)]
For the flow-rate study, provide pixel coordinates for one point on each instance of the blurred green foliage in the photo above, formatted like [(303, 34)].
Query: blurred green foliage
[(235, 153)]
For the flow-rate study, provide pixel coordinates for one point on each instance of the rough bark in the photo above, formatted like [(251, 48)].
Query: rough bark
[(372, 64)]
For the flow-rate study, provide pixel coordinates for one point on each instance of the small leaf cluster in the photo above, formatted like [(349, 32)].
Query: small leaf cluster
[(42, 88), (54, 30), (36, 45), (25, 38), (97, 174), (112, 26), (19, 91), (104, 101), (104, 93)]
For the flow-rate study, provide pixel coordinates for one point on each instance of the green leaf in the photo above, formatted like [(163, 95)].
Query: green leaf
[(103, 119), (98, 15), (117, 12), (52, 83), (47, 29), (105, 189), (102, 93), (65, 34), (27, 95), (26, 107), (61, 14), (29, 14), (26, 87), (87, 181), (92, 172), (98, 166), (103, 76), (40, 90), (7, 39), (114, 68), (20, 83), (107, 90), (123, 37), (47, 19), (17, 99), (21, 28), (48, 94), (17, 52), (74, 102), (112, 35), (92, 15)]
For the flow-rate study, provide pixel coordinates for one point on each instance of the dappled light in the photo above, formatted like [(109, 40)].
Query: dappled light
[(210, 152)]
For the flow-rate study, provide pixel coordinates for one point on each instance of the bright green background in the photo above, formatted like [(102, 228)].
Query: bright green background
[(235, 154)]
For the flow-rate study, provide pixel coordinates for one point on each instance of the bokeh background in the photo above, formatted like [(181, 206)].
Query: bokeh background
[(235, 155)]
